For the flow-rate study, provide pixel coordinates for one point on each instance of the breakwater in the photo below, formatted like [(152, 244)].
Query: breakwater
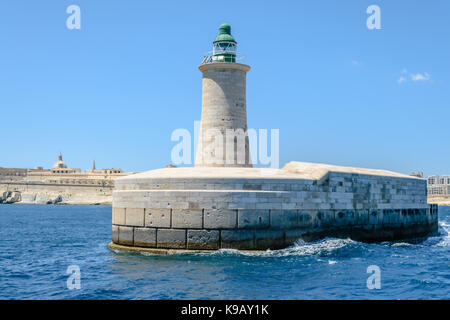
[(259, 209)]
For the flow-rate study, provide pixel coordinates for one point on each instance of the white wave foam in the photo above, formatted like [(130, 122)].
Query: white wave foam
[(402, 244), (300, 248), (325, 247), (441, 240), (444, 224), (444, 234)]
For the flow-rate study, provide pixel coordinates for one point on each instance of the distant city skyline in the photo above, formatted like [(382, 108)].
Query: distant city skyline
[(114, 90)]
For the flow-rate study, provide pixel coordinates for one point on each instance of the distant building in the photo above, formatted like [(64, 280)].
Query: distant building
[(61, 173), (60, 167), (60, 184), (438, 185), (103, 171)]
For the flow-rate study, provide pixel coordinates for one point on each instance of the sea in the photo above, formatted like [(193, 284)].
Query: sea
[(60, 252)]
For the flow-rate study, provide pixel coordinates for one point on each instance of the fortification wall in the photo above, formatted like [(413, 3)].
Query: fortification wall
[(41, 193)]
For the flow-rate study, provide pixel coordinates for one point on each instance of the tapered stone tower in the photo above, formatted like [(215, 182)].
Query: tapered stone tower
[(223, 140)]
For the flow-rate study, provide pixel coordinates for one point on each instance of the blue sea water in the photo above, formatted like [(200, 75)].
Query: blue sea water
[(39, 243)]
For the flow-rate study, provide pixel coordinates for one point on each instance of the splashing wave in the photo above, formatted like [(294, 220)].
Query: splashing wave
[(325, 247)]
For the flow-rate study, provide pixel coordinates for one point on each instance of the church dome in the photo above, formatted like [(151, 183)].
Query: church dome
[(60, 163)]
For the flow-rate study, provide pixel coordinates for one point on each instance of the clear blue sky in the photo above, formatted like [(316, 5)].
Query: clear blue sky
[(116, 89)]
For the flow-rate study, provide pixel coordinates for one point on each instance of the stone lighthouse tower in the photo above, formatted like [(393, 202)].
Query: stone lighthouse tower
[(223, 139)]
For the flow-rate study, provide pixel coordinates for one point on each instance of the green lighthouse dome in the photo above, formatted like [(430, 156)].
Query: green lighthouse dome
[(225, 34)]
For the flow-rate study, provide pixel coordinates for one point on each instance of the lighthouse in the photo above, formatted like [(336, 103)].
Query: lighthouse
[(223, 202), (223, 139)]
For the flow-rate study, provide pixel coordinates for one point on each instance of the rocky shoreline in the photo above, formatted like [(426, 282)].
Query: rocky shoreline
[(18, 197)]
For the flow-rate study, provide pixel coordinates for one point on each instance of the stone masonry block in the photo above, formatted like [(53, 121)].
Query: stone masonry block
[(256, 219), (237, 239), (126, 235), (145, 237), (391, 216), (324, 218), (134, 217), (187, 219), (171, 238), (159, 218), (283, 219), (118, 216), (345, 217), (375, 217), (305, 219), (361, 217), (115, 234), (220, 219), (203, 239), (269, 239)]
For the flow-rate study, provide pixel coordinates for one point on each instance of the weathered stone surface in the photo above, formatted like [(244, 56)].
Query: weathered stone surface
[(171, 238), (323, 218), (187, 219), (391, 216), (237, 239), (305, 219), (28, 197), (10, 197), (253, 219), (14, 197), (269, 239), (159, 218), (145, 237), (283, 219), (362, 217), (134, 217), (115, 234), (345, 217), (126, 235), (375, 217), (223, 108), (118, 216), (203, 239), (42, 198), (220, 219)]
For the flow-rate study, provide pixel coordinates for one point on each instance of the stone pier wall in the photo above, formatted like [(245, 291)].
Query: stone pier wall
[(262, 229), (229, 211)]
